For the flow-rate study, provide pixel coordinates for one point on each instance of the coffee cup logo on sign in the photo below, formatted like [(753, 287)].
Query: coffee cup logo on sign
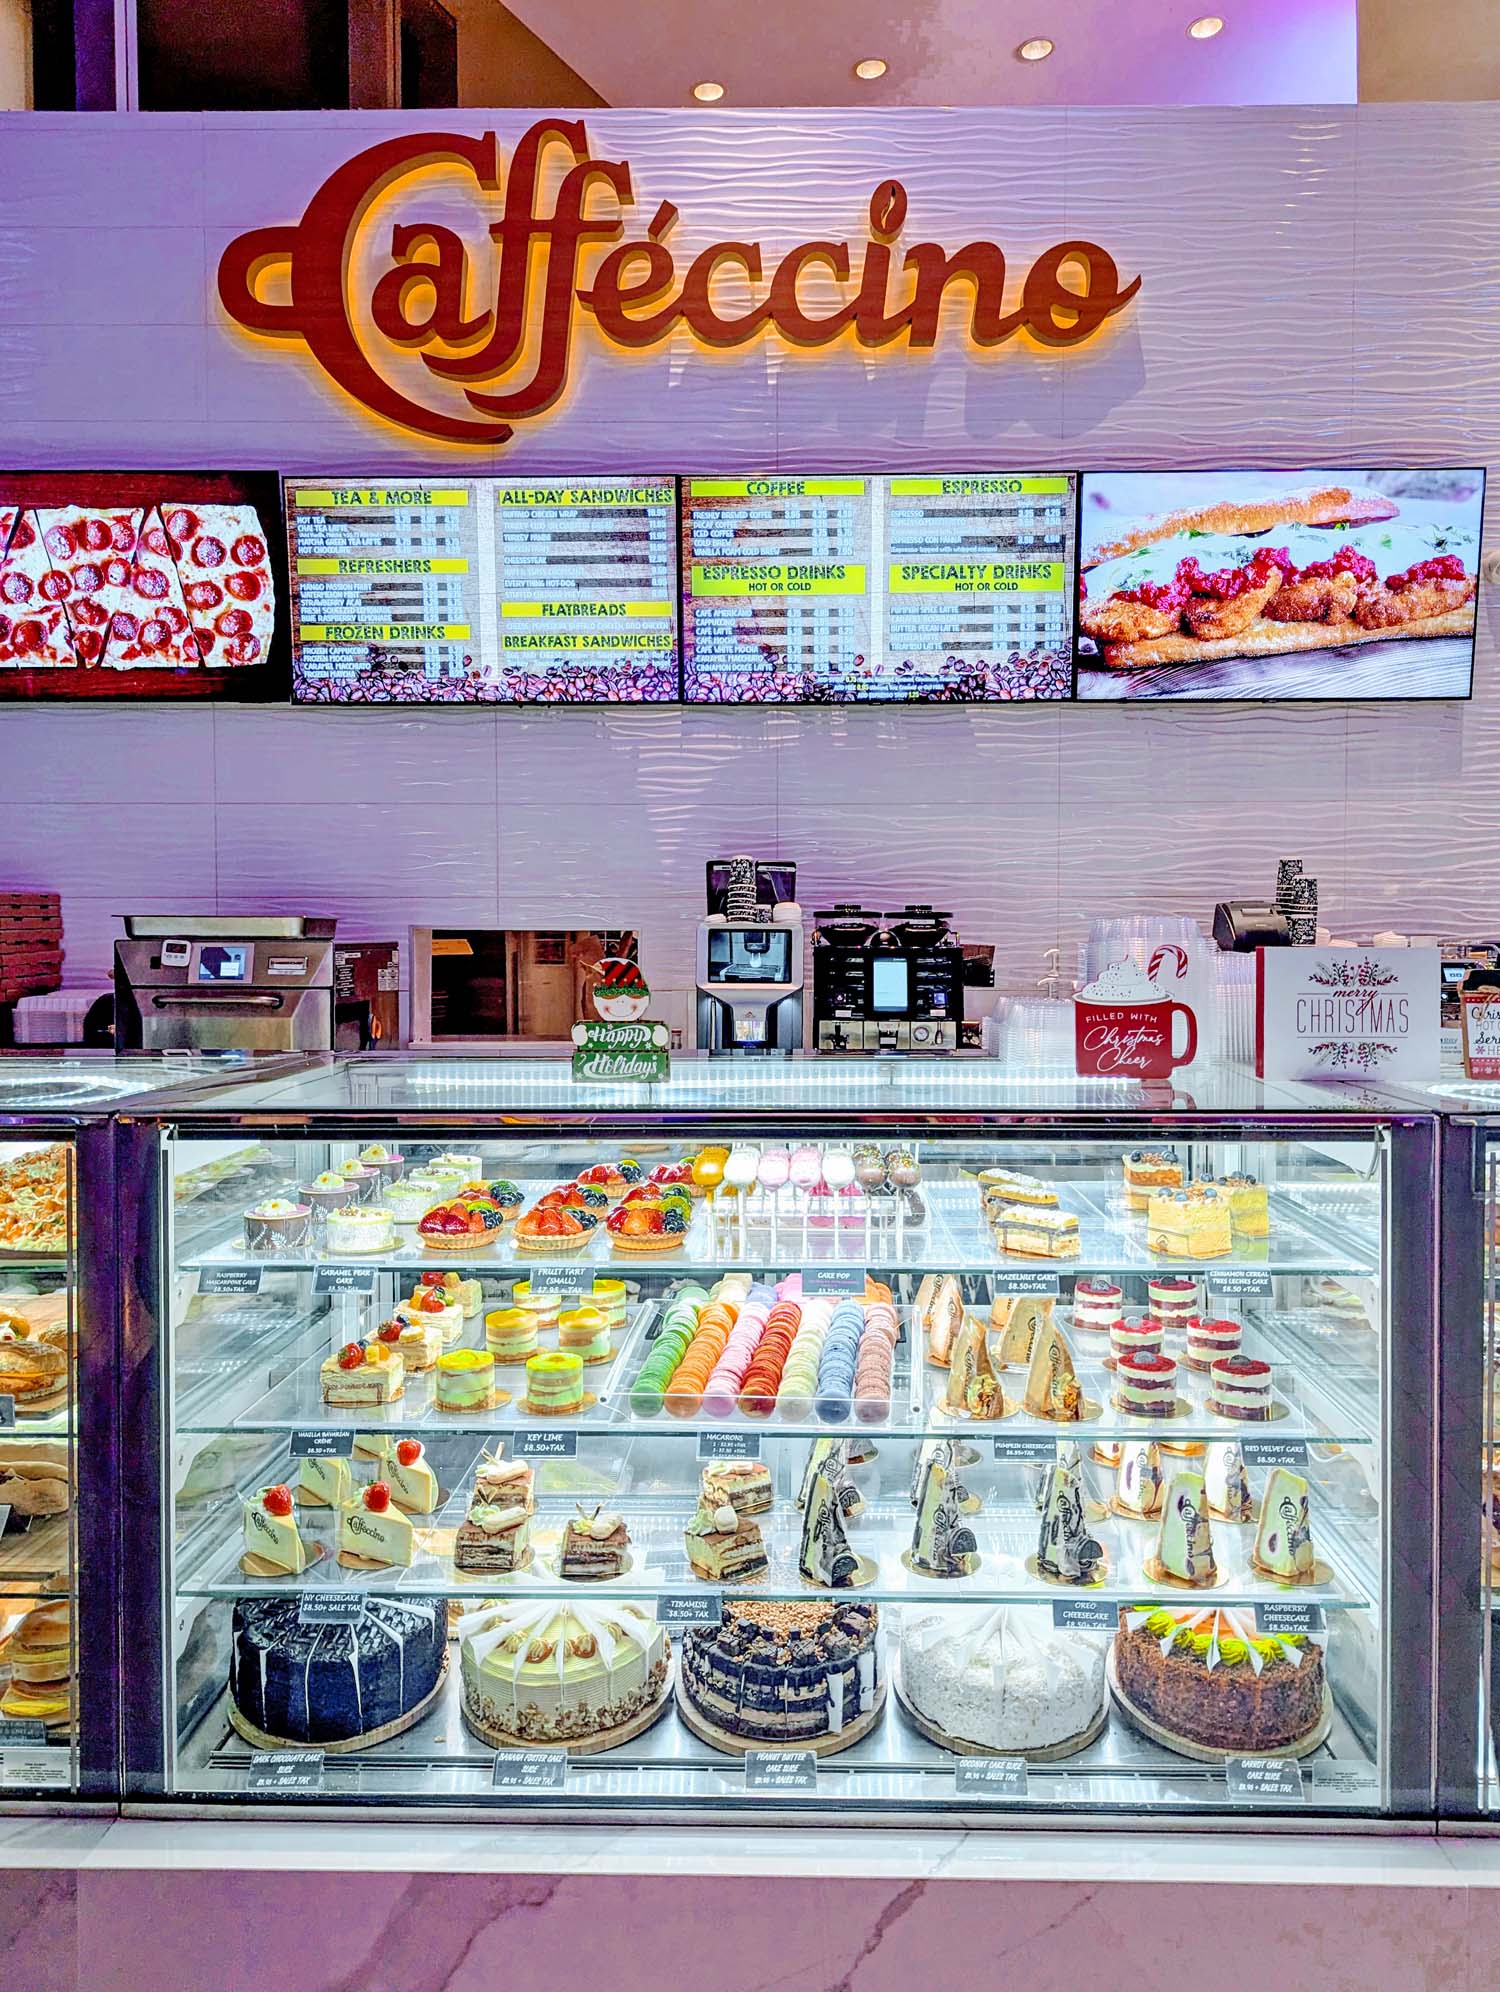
[(1124, 1024)]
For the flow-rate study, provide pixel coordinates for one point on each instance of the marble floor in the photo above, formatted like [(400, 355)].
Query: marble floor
[(339, 1907)]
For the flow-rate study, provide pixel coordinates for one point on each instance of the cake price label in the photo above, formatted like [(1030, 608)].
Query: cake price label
[(285, 1773), (562, 1280), (547, 1445), (1026, 1452), (833, 1282), (1241, 1282), (729, 1445), (1291, 1616), (322, 1445), (1084, 1615), (531, 1770), (344, 1279), (1021, 1285), (990, 1777), (331, 1607), (1264, 1780), (38, 1770), (1353, 1784), (683, 1608), (17, 1730), (1266, 1453), (229, 1279), (781, 1771)]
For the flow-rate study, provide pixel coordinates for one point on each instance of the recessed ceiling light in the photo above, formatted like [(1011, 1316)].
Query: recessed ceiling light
[(708, 93), (1205, 27), (1036, 50), (871, 69)]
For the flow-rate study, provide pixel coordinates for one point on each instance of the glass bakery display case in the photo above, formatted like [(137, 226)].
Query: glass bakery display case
[(899, 1438)]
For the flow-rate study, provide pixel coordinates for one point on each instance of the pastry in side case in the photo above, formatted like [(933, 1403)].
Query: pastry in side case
[(650, 1224), (1066, 1551), (466, 1381), (324, 1483), (1226, 1483), (607, 1177), (1027, 1317), (362, 1374), (498, 1190), (277, 1227), (1145, 1170), (1036, 1234), (1138, 1479), (939, 1313), (826, 1558), (412, 1482), (36, 1480), (1097, 1304), (273, 1545), (595, 1545), (1189, 1224), (1249, 1206), (1185, 1547), (374, 1531), (40, 1655), (723, 1546), (1240, 1387), (550, 1233), (1211, 1679), (744, 1483), (942, 1544), (419, 1341), (973, 1389), (1283, 1536), (999, 1187), (34, 1201), (1052, 1387), (34, 1371), (554, 1383)]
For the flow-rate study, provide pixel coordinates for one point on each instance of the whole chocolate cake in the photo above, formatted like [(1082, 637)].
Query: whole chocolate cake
[(333, 1684), (773, 1671)]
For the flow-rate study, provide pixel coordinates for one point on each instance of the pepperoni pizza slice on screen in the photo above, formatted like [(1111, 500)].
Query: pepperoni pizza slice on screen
[(33, 620), (222, 558), (94, 550), (152, 627)]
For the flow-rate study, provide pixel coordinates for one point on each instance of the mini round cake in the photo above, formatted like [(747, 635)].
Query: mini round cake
[(1002, 1680), (1135, 1335), (1208, 1678), (535, 1671), (410, 1199), (360, 1228), (336, 1687), (510, 1334), (386, 1162), (1172, 1297), (327, 1192), (1096, 1305), (277, 1226), (543, 1308), (466, 1381), (1146, 1386), (1208, 1340), (771, 1672), (554, 1382), (611, 1297), (365, 1181), (1240, 1387), (584, 1332)]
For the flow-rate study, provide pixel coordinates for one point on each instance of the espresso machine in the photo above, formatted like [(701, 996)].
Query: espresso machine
[(229, 982), (749, 960), (886, 982)]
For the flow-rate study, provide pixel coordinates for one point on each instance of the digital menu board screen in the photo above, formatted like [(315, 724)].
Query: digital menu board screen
[(1278, 585), (830, 590), (556, 591)]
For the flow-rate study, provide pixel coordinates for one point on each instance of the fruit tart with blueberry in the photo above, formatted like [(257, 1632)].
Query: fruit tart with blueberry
[(674, 1176), (552, 1231), (500, 1192), (658, 1225), (461, 1225), (606, 1176)]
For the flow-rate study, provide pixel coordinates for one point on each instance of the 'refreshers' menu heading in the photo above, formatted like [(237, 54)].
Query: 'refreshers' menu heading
[(841, 589), (545, 590)]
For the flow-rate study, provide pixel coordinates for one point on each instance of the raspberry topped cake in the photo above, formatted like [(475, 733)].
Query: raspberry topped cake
[(1096, 1304), (1240, 1387)]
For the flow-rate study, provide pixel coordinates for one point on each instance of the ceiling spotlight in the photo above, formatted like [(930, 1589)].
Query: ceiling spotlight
[(1036, 50), (1205, 27), (871, 69), (708, 93)]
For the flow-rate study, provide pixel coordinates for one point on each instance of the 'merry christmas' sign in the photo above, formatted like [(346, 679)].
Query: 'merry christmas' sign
[(1347, 1013)]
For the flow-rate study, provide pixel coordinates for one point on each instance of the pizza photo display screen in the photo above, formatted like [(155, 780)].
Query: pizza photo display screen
[(554, 591), (141, 584), (1278, 585), (926, 588)]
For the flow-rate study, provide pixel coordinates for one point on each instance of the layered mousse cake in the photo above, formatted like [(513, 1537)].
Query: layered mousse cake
[(363, 1373), (420, 1342), (277, 1227), (777, 1672), (1171, 1298), (1249, 1205), (337, 1687), (544, 1308), (536, 1671), (1208, 1677), (1096, 1305), (1001, 1680), (466, 1381), (1189, 1224), (1036, 1234), (554, 1383), (595, 1545), (495, 1534), (431, 1308), (1207, 1340), (723, 1546), (1145, 1170), (358, 1228), (1240, 1387), (744, 1483), (1146, 1386), (612, 1298), (510, 1334), (584, 1332), (1135, 1335)]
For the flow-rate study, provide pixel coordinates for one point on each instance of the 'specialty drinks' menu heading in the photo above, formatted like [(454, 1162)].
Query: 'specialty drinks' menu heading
[(549, 590)]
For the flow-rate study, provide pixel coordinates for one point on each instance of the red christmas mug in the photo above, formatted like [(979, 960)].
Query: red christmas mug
[(1130, 1040)]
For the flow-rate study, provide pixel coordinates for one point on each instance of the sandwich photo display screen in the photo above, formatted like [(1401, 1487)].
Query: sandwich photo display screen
[(832, 590), (144, 584), (552, 590), (1276, 585)]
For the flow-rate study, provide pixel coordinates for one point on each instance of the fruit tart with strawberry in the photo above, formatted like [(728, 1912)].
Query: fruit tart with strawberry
[(574, 1199), (606, 1176), (674, 1176), (552, 1231), (462, 1225), (500, 1192), (649, 1225)]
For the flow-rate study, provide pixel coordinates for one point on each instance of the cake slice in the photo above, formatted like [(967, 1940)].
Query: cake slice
[(724, 1547), (1226, 1483), (1145, 1170), (973, 1389), (363, 1374), (1028, 1316), (1185, 1549), (1065, 1550), (1189, 1224), (1283, 1535), (594, 1545), (939, 1314), (1138, 1479), (273, 1546), (1036, 1234), (1052, 1387), (324, 1483), (373, 1530), (744, 1483), (493, 1537), (412, 1482), (942, 1543)]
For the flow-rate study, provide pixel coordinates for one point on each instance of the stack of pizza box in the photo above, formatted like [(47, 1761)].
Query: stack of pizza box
[(31, 944)]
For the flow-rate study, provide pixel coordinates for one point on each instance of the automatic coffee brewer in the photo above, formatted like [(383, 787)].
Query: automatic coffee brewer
[(886, 983), (749, 961)]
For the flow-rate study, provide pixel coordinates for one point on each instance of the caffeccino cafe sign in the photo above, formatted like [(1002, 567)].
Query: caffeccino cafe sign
[(496, 335)]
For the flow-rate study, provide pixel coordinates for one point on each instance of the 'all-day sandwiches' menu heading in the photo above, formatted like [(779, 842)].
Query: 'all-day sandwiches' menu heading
[(840, 589), (546, 590)]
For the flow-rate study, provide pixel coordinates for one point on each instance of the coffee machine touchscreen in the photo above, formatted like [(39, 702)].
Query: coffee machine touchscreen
[(890, 982)]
